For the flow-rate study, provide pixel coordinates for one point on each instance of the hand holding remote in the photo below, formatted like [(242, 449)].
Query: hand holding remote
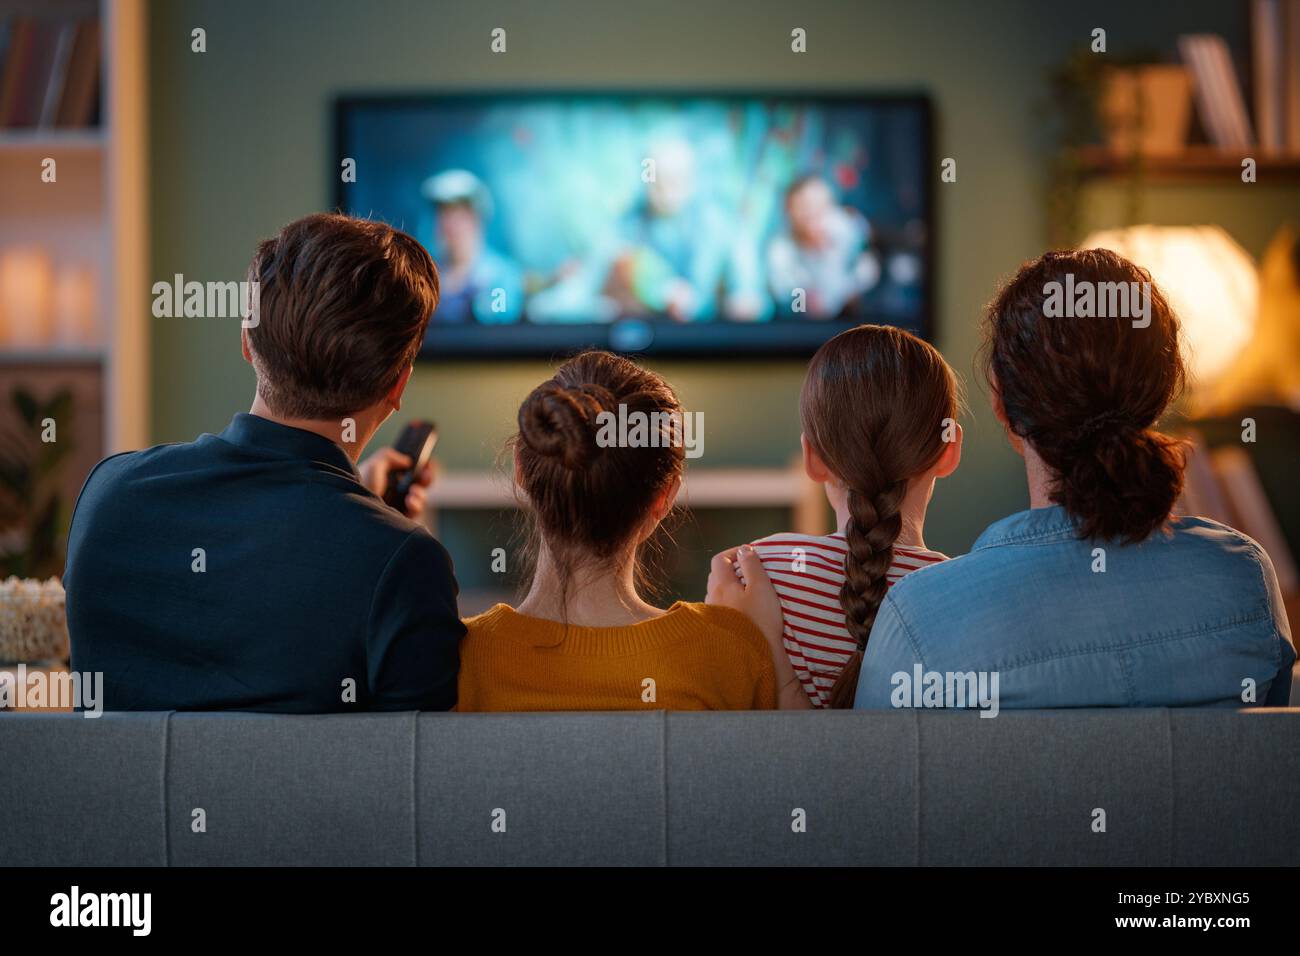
[(401, 474)]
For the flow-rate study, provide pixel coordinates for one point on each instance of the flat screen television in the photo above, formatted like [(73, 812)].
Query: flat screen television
[(711, 225)]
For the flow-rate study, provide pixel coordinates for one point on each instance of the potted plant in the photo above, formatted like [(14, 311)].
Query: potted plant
[(31, 506), (1130, 107)]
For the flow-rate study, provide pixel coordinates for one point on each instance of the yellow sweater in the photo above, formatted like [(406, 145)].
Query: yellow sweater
[(693, 657)]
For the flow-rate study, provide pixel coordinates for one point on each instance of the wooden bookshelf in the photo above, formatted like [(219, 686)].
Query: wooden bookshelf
[(44, 141), (94, 217)]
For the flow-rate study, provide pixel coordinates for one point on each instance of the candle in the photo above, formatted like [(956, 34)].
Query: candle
[(26, 296), (74, 306)]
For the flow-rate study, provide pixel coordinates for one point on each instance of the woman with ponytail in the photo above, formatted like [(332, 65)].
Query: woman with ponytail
[(879, 416), (1098, 595)]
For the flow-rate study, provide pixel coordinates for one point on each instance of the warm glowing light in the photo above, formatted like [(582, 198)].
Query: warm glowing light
[(74, 306), (26, 296), (1209, 279)]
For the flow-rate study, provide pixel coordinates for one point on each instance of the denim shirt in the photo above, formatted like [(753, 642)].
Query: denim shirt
[(1189, 617)]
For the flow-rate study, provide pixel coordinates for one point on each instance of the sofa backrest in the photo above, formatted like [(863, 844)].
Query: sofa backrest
[(1108, 787)]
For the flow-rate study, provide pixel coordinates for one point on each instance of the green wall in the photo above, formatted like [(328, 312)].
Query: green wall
[(241, 143)]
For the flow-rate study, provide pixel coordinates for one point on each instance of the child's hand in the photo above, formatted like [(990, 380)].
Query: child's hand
[(753, 596)]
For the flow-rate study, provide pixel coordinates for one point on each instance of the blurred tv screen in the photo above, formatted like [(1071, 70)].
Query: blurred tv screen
[(679, 224)]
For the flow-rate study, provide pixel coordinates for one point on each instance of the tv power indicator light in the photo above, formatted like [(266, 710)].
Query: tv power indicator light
[(631, 335)]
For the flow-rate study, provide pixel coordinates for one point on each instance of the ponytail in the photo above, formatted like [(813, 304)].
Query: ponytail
[(1086, 393), (1119, 484)]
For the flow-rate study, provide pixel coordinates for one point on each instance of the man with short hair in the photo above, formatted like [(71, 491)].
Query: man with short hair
[(259, 569)]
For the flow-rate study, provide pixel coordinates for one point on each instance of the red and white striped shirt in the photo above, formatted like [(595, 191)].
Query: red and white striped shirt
[(808, 572)]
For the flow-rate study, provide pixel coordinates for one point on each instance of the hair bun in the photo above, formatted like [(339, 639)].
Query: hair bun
[(559, 422)]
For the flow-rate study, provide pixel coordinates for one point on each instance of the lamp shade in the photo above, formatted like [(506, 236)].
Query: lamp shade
[(1208, 278)]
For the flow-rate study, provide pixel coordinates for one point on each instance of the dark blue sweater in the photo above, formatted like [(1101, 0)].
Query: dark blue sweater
[(307, 584)]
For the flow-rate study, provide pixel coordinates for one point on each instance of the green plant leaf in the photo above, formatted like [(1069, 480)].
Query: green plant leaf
[(59, 407), (43, 544), (26, 405)]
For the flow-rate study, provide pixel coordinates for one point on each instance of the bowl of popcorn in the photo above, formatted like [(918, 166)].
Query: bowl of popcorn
[(33, 622)]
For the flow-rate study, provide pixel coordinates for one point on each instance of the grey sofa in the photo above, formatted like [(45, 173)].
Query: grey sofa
[(1189, 787)]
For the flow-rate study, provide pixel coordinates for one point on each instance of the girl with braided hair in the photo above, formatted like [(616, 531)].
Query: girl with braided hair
[(879, 417)]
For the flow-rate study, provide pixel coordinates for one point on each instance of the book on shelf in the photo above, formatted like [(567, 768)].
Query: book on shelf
[(1275, 54), (58, 74), (1219, 100), (1290, 93), (49, 71), (1269, 46), (77, 106)]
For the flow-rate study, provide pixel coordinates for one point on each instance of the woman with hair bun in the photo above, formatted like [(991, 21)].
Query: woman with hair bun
[(583, 638), (1097, 595)]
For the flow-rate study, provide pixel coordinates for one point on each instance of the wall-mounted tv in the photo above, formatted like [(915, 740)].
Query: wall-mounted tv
[(713, 225)]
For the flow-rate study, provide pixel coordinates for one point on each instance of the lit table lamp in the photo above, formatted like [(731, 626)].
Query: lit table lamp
[(1209, 279)]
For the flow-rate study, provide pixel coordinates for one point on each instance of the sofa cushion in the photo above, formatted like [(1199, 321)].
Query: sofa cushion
[(1025, 788), (570, 789), (333, 790), (1236, 780), (800, 788), (79, 791)]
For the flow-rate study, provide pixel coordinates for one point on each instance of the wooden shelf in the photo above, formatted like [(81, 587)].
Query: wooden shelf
[(1196, 164), (54, 355), (51, 140), (701, 488)]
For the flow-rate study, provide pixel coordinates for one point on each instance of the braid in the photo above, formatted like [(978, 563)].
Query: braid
[(873, 527), (875, 410)]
